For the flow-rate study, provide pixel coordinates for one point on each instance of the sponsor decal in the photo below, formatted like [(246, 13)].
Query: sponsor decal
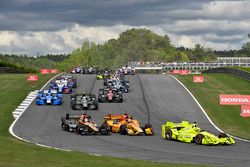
[(44, 71), (245, 111), (198, 79), (32, 77), (234, 99), (54, 71)]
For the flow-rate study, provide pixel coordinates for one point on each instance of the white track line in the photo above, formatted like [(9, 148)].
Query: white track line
[(206, 113), (14, 122)]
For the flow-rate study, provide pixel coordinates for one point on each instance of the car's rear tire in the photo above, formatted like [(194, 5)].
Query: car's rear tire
[(198, 139), (148, 125), (169, 134), (104, 129), (123, 129)]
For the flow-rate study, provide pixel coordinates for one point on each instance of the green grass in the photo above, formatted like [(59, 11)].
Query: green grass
[(15, 153), (226, 117)]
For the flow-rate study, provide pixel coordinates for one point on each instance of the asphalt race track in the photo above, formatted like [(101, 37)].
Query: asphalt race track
[(156, 98)]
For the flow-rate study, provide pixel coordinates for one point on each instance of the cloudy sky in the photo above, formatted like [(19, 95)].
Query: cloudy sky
[(59, 26)]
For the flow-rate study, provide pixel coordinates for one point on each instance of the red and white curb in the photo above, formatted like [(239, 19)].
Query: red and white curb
[(25, 104), (22, 108), (204, 112)]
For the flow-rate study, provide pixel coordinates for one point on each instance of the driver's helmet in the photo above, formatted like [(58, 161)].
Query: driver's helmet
[(129, 120)]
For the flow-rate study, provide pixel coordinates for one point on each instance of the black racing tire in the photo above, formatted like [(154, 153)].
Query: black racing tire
[(198, 139), (148, 125), (73, 107), (96, 106), (104, 129), (169, 134), (123, 129), (63, 126), (222, 135), (85, 130)]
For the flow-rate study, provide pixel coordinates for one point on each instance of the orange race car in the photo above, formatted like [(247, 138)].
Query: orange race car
[(125, 124)]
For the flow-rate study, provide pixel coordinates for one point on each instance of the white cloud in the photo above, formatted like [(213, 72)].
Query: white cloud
[(68, 39), (62, 41)]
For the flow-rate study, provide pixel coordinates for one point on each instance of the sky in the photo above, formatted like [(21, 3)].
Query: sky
[(37, 27)]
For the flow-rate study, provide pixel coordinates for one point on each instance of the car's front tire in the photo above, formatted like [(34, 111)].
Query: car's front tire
[(169, 134), (198, 139)]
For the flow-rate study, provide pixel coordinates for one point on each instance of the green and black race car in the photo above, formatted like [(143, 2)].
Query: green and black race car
[(188, 133), (99, 75)]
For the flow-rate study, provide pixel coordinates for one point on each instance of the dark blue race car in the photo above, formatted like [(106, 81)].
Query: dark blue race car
[(51, 97), (62, 86)]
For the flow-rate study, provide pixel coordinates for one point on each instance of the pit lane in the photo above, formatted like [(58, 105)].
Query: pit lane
[(154, 98)]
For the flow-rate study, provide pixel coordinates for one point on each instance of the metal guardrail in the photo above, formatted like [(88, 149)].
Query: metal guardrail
[(192, 66)]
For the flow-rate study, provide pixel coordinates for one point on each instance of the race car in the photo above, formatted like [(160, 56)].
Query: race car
[(125, 125), (110, 95), (76, 70), (51, 97), (127, 70), (107, 74), (85, 101), (83, 124), (186, 132), (99, 75), (122, 86), (62, 86), (89, 70), (71, 81)]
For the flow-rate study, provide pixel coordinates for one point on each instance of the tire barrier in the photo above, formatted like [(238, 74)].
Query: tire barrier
[(233, 71)]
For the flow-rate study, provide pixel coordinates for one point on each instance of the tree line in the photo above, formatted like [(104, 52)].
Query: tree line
[(31, 64), (143, 45)]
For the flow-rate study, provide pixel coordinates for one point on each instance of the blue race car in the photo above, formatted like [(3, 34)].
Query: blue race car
[(62, 86), (49, 97)]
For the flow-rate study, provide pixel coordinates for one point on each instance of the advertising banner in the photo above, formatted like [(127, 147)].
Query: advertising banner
[(245, 111), (234, 99), (54, 71), (176, 72), (181, 72), (32, 77), (44, 71), (198, 79), (184, 72)]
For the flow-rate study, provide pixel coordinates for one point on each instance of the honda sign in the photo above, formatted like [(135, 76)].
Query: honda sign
[(234, 99)]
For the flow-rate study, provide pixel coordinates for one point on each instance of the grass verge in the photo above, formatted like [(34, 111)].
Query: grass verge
[(227, 117), (15, 153)]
